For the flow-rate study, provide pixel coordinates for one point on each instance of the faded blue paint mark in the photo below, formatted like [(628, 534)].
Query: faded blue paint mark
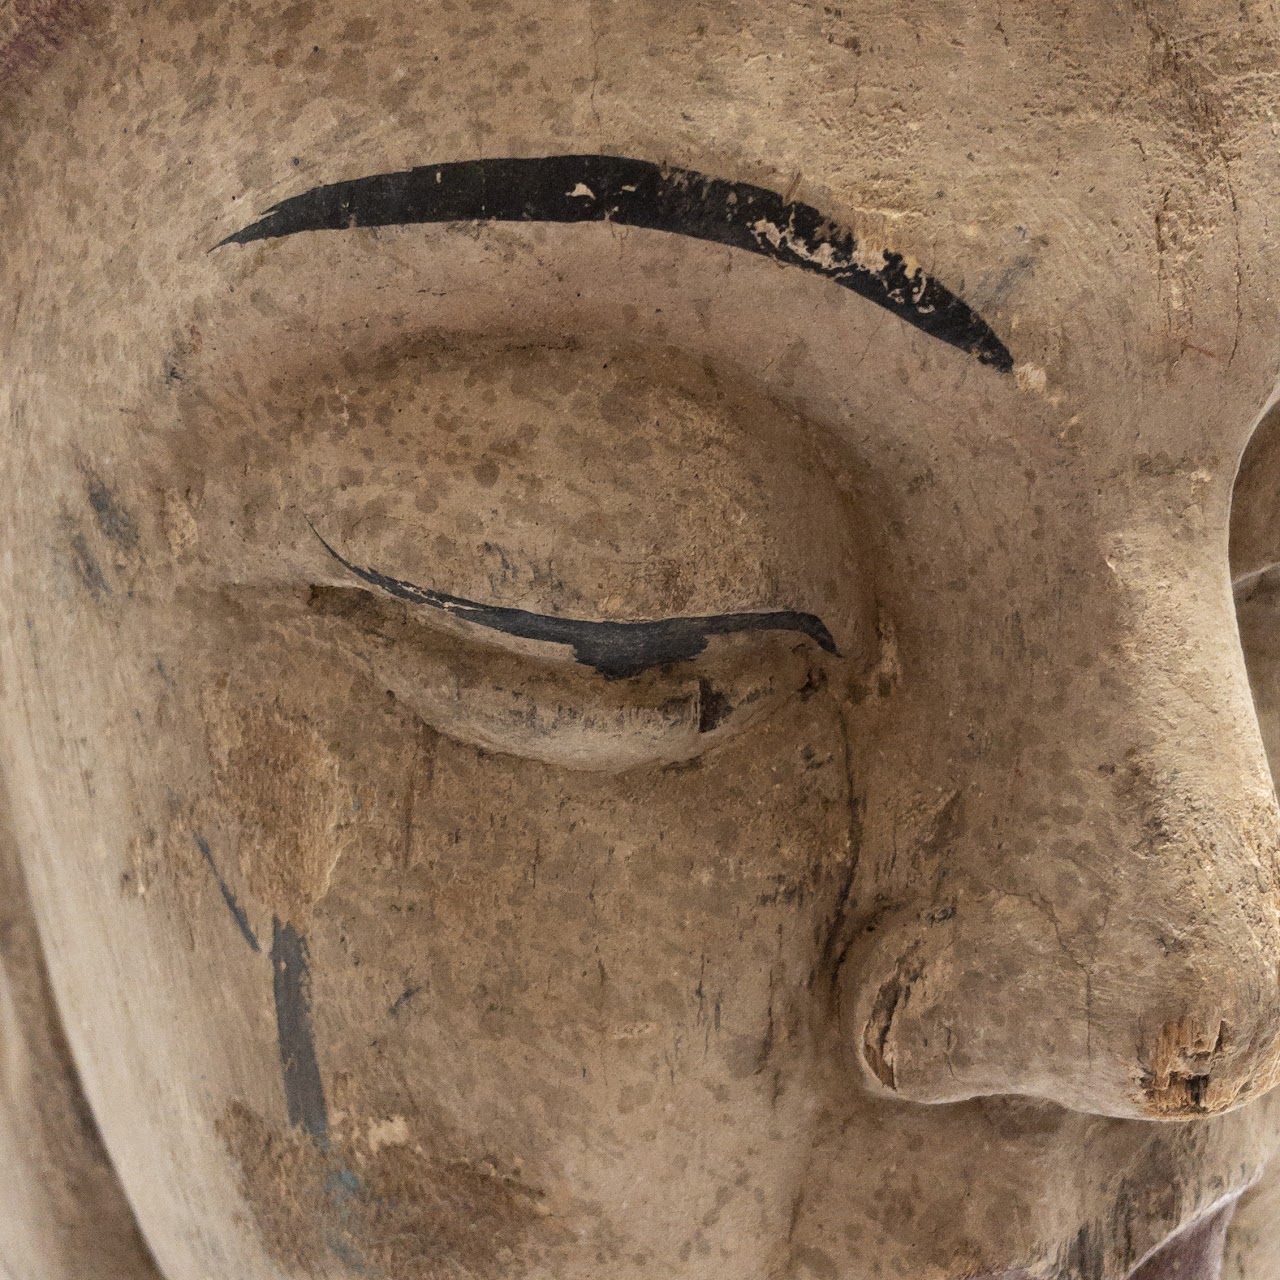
[(237, 911)]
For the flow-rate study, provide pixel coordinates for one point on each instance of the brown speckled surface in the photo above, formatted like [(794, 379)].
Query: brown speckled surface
[(385, 944)]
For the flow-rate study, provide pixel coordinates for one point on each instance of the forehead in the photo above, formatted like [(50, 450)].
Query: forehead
[(1198, 66), (1091, 178), (1197, 72)]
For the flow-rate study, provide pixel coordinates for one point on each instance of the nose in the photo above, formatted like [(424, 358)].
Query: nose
[(1101, 928)]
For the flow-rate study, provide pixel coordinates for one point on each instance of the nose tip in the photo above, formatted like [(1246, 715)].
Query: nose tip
[(1100, 924), (1146, 1020)]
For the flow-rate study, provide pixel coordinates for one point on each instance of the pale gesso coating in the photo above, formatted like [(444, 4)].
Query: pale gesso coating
[(687, 702)]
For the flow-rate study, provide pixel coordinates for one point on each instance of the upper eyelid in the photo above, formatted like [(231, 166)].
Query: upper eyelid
[(616, 650)]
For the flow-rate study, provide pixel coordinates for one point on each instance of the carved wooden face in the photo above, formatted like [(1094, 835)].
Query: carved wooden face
[(650, 686)]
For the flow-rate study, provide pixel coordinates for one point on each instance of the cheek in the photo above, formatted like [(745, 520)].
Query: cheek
[(532, 971), (544, 1006)]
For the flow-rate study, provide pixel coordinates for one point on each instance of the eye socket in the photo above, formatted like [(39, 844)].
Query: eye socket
[(563, 714), (597, 556), (1255, 505)]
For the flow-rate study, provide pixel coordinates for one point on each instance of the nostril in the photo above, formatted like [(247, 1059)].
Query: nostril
[(877, 1037)]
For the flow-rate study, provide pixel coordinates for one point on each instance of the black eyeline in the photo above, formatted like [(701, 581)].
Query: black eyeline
[(637, 193), (616, 650)]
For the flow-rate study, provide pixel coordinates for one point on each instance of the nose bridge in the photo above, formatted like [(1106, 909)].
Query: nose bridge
[(1173, 705), (1109, 936)]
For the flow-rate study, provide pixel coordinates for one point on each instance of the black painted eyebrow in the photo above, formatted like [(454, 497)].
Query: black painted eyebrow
[(637, 193), (615, 649)]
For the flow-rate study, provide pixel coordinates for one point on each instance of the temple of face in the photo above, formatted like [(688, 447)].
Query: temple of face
[(638, 641)]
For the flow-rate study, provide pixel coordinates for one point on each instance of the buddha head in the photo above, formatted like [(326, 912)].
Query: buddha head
[(640, 640)]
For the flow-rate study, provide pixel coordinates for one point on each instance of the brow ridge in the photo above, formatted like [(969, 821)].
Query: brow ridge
[(638, 193)]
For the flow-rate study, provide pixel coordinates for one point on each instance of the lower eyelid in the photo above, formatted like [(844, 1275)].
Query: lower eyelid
[(547, 711)]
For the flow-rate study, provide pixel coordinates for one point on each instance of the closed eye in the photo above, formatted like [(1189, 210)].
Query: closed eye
[(617, 650), (558, 713)]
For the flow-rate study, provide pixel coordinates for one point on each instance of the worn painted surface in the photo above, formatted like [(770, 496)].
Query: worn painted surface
[(933, 934)]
